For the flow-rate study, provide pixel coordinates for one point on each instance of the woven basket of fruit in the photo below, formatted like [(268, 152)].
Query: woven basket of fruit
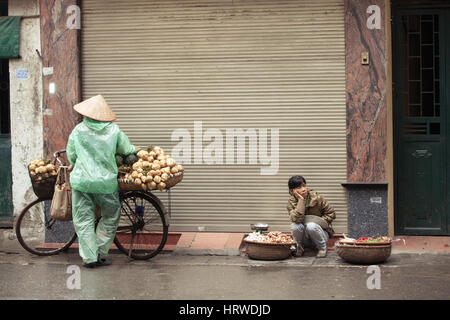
[(43, 176), (272, 246), (149, 169), (129, 184)]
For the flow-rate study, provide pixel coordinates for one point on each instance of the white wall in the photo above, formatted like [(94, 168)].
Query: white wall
[(25, 102)]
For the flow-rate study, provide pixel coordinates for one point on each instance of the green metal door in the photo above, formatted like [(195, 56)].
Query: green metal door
[(6, 207), (421, 54)]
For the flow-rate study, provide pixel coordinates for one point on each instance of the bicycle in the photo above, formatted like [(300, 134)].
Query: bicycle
[(141, 234)]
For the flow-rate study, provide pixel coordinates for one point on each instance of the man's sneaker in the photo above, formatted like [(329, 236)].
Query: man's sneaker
[(322, 253), (299, 251)]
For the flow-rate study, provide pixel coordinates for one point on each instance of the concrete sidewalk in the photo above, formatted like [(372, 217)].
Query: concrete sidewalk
[(232, 244), (209, 243), (214, 243)]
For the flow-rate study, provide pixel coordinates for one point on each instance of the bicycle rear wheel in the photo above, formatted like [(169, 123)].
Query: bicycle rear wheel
[(39, 234), (142, 231)]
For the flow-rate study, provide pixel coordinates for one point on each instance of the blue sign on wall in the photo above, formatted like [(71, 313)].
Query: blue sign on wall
[(22, 74)]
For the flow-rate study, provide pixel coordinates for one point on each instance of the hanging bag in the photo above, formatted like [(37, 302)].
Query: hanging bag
[(61, 208)]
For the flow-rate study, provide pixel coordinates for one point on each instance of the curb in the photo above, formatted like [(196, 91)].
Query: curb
[(207, 252)]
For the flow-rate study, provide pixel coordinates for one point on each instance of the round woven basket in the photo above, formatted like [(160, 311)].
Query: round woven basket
[(268, 251), (174, 179), (43, 186), (127, 185), (364, 254)]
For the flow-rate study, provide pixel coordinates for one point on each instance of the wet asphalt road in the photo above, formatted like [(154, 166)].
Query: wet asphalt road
[(170, 276)]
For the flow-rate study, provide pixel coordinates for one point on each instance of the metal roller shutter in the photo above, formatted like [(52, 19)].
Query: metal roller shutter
[(202, 68)]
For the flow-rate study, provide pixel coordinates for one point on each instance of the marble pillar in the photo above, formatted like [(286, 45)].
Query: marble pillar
[(366, 117), (60, 51), (365, 93)]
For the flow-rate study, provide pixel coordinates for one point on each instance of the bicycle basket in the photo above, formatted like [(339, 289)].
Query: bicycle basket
[(128, 184), (174, 179), (43, 184)]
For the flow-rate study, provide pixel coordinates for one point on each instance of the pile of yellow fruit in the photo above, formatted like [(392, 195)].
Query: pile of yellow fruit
[(152, 169), (41, 169)]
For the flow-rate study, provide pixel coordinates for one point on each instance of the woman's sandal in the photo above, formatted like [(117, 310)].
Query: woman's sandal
[(90, 265), (103, 262)]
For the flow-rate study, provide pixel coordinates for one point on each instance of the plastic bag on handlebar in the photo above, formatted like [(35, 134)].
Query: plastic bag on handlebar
[(91, 149)]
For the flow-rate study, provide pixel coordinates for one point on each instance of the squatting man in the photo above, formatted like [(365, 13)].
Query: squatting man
[(311, 217)]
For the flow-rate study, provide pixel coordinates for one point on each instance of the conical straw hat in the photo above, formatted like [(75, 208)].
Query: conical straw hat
[(96, 108)]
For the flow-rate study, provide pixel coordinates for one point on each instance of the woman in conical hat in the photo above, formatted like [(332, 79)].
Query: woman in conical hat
[(91, 151)]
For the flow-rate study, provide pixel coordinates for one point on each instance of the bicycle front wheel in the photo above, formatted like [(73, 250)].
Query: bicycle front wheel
[(142, 231), (40, 234)]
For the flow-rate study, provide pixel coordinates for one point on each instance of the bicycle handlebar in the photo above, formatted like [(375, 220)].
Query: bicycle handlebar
[(57, 154)]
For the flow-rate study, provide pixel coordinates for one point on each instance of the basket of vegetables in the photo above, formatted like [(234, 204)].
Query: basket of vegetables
[(364, 250), (271, 246), (43, 177), (149, 169)]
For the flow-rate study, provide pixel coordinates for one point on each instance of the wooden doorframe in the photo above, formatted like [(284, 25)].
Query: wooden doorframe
[(390, 120)]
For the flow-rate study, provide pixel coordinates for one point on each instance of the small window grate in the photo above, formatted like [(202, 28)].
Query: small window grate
[(415, 128)]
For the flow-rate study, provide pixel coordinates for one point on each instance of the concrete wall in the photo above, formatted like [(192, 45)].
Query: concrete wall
[(25, 102)]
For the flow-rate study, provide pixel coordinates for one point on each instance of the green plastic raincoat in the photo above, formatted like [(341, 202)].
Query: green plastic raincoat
[(91, 149)]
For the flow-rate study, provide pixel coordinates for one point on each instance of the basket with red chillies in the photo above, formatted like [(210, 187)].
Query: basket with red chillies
[(364, 250)]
